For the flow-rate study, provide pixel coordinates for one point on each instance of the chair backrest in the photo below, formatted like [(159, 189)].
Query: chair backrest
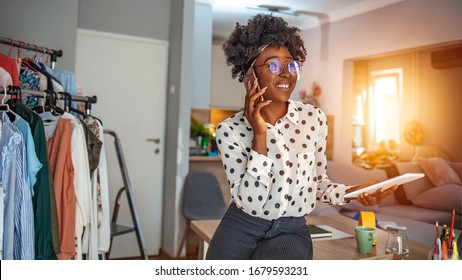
[(202, 198)]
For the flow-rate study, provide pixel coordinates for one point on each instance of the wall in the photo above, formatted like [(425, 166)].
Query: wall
[(439, 105), (202, 58), (226, 92), (48, 23), (407, 24), (143, 18)]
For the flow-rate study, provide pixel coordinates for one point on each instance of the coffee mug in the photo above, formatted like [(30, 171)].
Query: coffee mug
[(364, 236)]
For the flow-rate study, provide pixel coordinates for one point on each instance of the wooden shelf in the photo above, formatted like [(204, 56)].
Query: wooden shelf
[(204, 158)]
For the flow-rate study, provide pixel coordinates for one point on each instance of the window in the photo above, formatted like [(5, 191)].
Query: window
[(383, 106)]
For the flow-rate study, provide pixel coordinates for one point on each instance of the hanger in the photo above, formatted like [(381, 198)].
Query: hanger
[(47, 115), (4, 107)]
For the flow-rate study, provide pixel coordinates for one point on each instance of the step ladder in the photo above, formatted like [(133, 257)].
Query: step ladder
[(117, 229)]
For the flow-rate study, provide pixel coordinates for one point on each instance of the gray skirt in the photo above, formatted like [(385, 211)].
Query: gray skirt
[(240, 236)]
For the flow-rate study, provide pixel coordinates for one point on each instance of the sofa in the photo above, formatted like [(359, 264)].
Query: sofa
[(417, 205)]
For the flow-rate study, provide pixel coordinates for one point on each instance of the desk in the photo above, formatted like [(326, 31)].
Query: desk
[(336, 249)]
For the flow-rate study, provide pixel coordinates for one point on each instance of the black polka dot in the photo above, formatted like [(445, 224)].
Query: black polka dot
[(277, 205), (254, 212), (249, 199)]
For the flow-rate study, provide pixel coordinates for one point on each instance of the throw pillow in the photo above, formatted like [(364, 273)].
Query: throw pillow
[(438, 171), (444, 198)]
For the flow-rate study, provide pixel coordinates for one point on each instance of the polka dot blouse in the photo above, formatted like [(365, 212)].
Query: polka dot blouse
[(292, 177)]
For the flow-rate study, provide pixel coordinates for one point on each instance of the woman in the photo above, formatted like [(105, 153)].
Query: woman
[(273, 151)]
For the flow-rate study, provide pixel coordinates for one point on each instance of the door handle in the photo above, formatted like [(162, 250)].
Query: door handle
[(155, 140)]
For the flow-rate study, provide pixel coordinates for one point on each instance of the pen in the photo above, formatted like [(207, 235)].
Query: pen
[(438, 248), (455, 252), (451, 229), (437, 230), (444, 250)]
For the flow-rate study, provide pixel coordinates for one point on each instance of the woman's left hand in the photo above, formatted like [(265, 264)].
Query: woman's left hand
[(375, 198)]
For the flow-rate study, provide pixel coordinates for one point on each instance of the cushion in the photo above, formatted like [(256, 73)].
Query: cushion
[(445, 198), (439, 171), (457, 167), (414, 188)]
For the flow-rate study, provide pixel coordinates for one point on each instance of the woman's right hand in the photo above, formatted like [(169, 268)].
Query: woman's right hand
[(253, 106)]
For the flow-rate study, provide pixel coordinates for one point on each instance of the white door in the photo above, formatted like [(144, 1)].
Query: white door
[(129, 77)]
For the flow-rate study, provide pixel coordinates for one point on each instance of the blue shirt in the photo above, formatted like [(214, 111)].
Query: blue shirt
[(23, 237), (33, 164), (9, 142)]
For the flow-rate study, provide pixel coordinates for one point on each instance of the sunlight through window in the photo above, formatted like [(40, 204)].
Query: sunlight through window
[(384, 106)]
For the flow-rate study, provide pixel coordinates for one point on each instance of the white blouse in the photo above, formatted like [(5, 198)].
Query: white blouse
[(292, 177)]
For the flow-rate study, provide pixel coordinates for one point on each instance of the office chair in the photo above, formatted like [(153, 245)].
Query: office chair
[(202, 200)]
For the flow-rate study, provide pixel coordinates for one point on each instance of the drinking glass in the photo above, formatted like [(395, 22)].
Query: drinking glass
[(397, 243)]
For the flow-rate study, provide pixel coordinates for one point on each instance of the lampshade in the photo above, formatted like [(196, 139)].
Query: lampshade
[(413, 133)]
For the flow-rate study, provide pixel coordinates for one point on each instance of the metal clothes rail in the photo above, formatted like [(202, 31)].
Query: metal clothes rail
[(88, 100), (54, 54)]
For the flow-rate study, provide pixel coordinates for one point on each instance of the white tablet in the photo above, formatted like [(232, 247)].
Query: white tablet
[(398, 180)]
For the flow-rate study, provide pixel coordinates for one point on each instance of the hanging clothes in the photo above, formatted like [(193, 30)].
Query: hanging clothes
[(62, 169), (100, 189), (10, 66), (23, 217), (82, 185), (47, 240), (9, 142)]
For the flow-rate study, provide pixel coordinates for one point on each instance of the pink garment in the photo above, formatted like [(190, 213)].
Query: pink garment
[(10, 66)]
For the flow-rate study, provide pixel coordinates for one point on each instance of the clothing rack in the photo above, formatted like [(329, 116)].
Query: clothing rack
[(54, 54), (88, 100)]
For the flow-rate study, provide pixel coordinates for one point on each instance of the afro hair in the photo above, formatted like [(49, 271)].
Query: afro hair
[(245, 42)]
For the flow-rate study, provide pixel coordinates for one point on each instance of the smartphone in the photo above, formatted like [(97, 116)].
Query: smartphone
[(254, 78)]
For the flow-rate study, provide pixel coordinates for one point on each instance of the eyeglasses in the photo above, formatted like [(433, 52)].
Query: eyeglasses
[(275, 66)]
